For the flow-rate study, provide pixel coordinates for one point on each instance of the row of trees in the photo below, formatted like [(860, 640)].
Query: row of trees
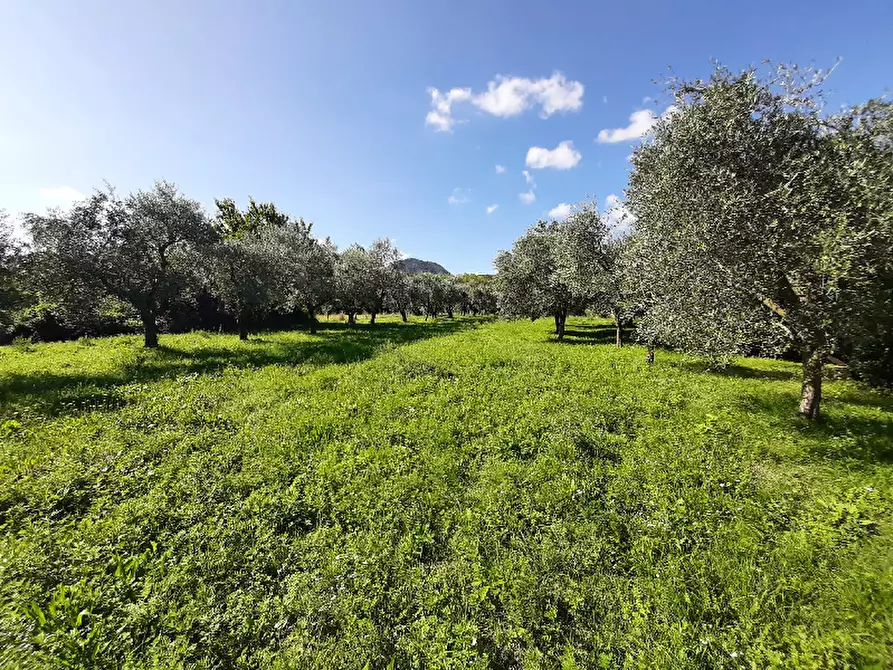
[(760, 224), (157, 251)]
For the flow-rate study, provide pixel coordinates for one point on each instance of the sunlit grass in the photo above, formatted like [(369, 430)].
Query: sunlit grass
[(444, 494)]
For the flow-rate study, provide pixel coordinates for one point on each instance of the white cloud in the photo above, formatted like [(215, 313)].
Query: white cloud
[(61, 194), (617, 216), (458, 197), (561, 211), (641, 122), (492, 208), (500, 169), (440, 115), (527, 198), (508, 96), (528, 178), (562, 157)]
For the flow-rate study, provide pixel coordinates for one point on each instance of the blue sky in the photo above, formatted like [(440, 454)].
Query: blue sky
[(321, 107)]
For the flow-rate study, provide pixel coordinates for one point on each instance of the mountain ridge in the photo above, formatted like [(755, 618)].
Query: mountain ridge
[(417, 266)]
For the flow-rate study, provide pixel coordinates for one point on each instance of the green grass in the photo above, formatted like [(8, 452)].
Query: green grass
[(431, 495)]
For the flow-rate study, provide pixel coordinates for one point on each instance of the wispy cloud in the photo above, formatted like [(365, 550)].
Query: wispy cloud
[(492, 208), (527, 198), (61, 194), (562, 157), (507, 96), (458, 197), (440, 116), (500, 169), (560, 212), (528, 178)]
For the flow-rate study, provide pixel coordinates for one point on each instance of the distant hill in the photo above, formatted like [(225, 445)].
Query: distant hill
[(415, 266)]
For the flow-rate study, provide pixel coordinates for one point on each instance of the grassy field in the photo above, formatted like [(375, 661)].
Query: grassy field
[(463, 494)]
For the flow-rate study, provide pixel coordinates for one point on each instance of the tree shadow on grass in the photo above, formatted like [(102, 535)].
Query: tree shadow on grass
[(590, 335), (841, 434), (739, 371), (52, 393)]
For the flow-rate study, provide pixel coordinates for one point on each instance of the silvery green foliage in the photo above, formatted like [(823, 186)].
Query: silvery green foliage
[(589, 261), (384, 273), (353, 288), (476, 293), (317, 290), (135, 249), (305, 266), (365, 279), (428, 293), (243, 276), (541, 274), (755, 212), (259, 264), (694, 311)]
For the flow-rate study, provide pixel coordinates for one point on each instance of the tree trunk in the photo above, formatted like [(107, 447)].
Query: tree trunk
[(811, 393), (311, 314), (618, 327), (351, 318), (242, 325), (403, 315), (650, 357), (150, 328), (449, 312), (560, 319), (372, 318)]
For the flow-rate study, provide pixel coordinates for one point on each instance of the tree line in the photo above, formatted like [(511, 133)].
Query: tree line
[(156, 256), (758, 224)]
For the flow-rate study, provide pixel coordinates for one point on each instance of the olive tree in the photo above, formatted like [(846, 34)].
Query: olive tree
[(242, 275), (539, 276), (313, 261), (133, 249), (757, 214), (402, 297), (384, 274), (589, 262), (477, 294), (353, 290), (249, 268)]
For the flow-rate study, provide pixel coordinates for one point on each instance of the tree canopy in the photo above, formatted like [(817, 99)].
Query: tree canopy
[(759, 219)]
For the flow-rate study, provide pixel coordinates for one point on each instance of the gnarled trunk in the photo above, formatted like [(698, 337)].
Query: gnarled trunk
[(449, 312), (372, 318), (150, 328), (351, 318), (311, 315), (811, 392), (403, 315)]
